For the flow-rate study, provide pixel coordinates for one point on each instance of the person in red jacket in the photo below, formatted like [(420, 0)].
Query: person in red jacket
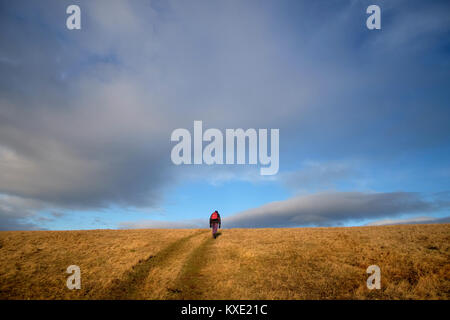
[(214, 222)]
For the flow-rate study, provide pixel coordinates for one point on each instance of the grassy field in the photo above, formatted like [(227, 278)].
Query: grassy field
[(303, 263)]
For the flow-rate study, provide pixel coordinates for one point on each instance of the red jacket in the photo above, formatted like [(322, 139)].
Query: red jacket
[(211, 220)]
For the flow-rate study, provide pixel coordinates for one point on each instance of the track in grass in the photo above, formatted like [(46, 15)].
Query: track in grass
[(130, 286), (191, 284)]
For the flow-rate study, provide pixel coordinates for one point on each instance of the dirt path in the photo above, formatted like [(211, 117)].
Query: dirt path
[(192, 283), (172, 273), (134, 284)]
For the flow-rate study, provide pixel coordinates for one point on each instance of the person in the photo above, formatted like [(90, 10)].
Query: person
[(214, 222)]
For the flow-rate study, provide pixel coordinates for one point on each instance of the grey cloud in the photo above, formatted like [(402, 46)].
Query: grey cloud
[(328, 209), (57, 214), (316, 176), (19, 214), (92, 139), (14, 223), (86, 123), (312, 176), (414, 220), (85, 117), (217, 175), (157, 224)]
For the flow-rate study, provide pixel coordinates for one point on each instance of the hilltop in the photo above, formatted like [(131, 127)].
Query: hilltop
[(298, 263)]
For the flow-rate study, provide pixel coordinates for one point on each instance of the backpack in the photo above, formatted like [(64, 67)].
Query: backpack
[(215, 216)]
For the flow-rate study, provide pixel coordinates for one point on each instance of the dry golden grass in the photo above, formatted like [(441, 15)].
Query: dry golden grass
[(331, 263), (303, 263), (33, 263)]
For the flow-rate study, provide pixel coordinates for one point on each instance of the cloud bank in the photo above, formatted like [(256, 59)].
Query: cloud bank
[(322, 209), (415, 220)]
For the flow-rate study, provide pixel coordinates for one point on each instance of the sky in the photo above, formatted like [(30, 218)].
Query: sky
[(86, 116)]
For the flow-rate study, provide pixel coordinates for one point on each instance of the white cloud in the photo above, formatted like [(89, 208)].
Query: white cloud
[(157, 224), (413, 220)]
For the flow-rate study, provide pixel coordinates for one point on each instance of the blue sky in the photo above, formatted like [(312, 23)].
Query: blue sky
[(86, 115)]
